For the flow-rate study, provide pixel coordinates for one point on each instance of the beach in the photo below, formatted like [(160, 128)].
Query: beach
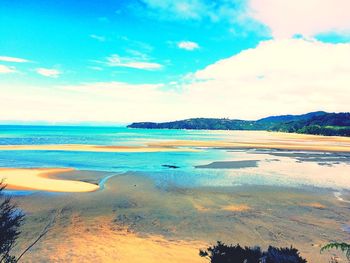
[(132, 217), (178, 195), (268, 140)]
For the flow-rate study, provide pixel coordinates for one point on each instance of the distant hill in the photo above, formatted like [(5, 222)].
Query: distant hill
[(201, 124), (286, 118), (319, 122)]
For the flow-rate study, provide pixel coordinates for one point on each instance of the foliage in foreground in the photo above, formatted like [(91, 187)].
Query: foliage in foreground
[(344, 247), (10, 221), (222, 253)]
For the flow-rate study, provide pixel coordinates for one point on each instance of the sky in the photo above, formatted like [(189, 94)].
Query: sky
[(122, 61)]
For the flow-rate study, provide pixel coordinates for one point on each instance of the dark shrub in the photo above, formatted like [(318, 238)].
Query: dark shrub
[(283, 255), (222, 253), (10, 220)]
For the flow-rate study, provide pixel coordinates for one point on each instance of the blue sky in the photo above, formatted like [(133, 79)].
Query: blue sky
[(78, 36), (186, 53)]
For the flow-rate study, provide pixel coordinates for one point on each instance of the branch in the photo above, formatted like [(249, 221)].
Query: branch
[(43, 233)]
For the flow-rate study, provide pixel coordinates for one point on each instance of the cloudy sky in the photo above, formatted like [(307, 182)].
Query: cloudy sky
[(119, 61)]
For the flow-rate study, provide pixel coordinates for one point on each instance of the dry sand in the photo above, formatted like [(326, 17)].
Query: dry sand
[(42, 179)]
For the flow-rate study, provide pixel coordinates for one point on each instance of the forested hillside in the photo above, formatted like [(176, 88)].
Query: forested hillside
[(322, 123)]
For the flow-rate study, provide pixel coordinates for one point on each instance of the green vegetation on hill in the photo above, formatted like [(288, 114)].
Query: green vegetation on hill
[(319, 123), (330, 124), (201, 124)]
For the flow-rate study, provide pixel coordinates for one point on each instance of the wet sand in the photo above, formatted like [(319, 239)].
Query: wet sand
[(133, 220), (266, 140), (43, 179), (103, 241), (230, 164), (300, 146)]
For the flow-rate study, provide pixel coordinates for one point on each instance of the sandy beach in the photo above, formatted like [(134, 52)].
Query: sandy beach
[(132, 218), (42, 179)]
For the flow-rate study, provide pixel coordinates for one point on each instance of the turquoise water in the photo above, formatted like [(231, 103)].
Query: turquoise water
[(36, 135), (144, 163), (271, 170)]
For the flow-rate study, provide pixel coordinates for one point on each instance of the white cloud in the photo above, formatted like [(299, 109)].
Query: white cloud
[(99, 38), (286, 18), (188, 45), (5, 69), (182, 9), (278, 76), (234, 10), (96, 68), (13, 59), (51, 73), (117, 61), (105, 102), (138, 54)]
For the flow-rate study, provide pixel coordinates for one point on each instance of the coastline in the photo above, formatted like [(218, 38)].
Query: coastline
[(229, 140), (256, 145)]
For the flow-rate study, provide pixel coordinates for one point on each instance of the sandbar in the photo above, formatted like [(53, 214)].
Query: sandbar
[(89, 148), (42, 179), (230, 164), (325, 146)]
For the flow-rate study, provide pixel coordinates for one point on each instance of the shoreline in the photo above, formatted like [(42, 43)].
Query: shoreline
[(256, 145), (227, 130), (43, 179), (90, 148), (273, 141)]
